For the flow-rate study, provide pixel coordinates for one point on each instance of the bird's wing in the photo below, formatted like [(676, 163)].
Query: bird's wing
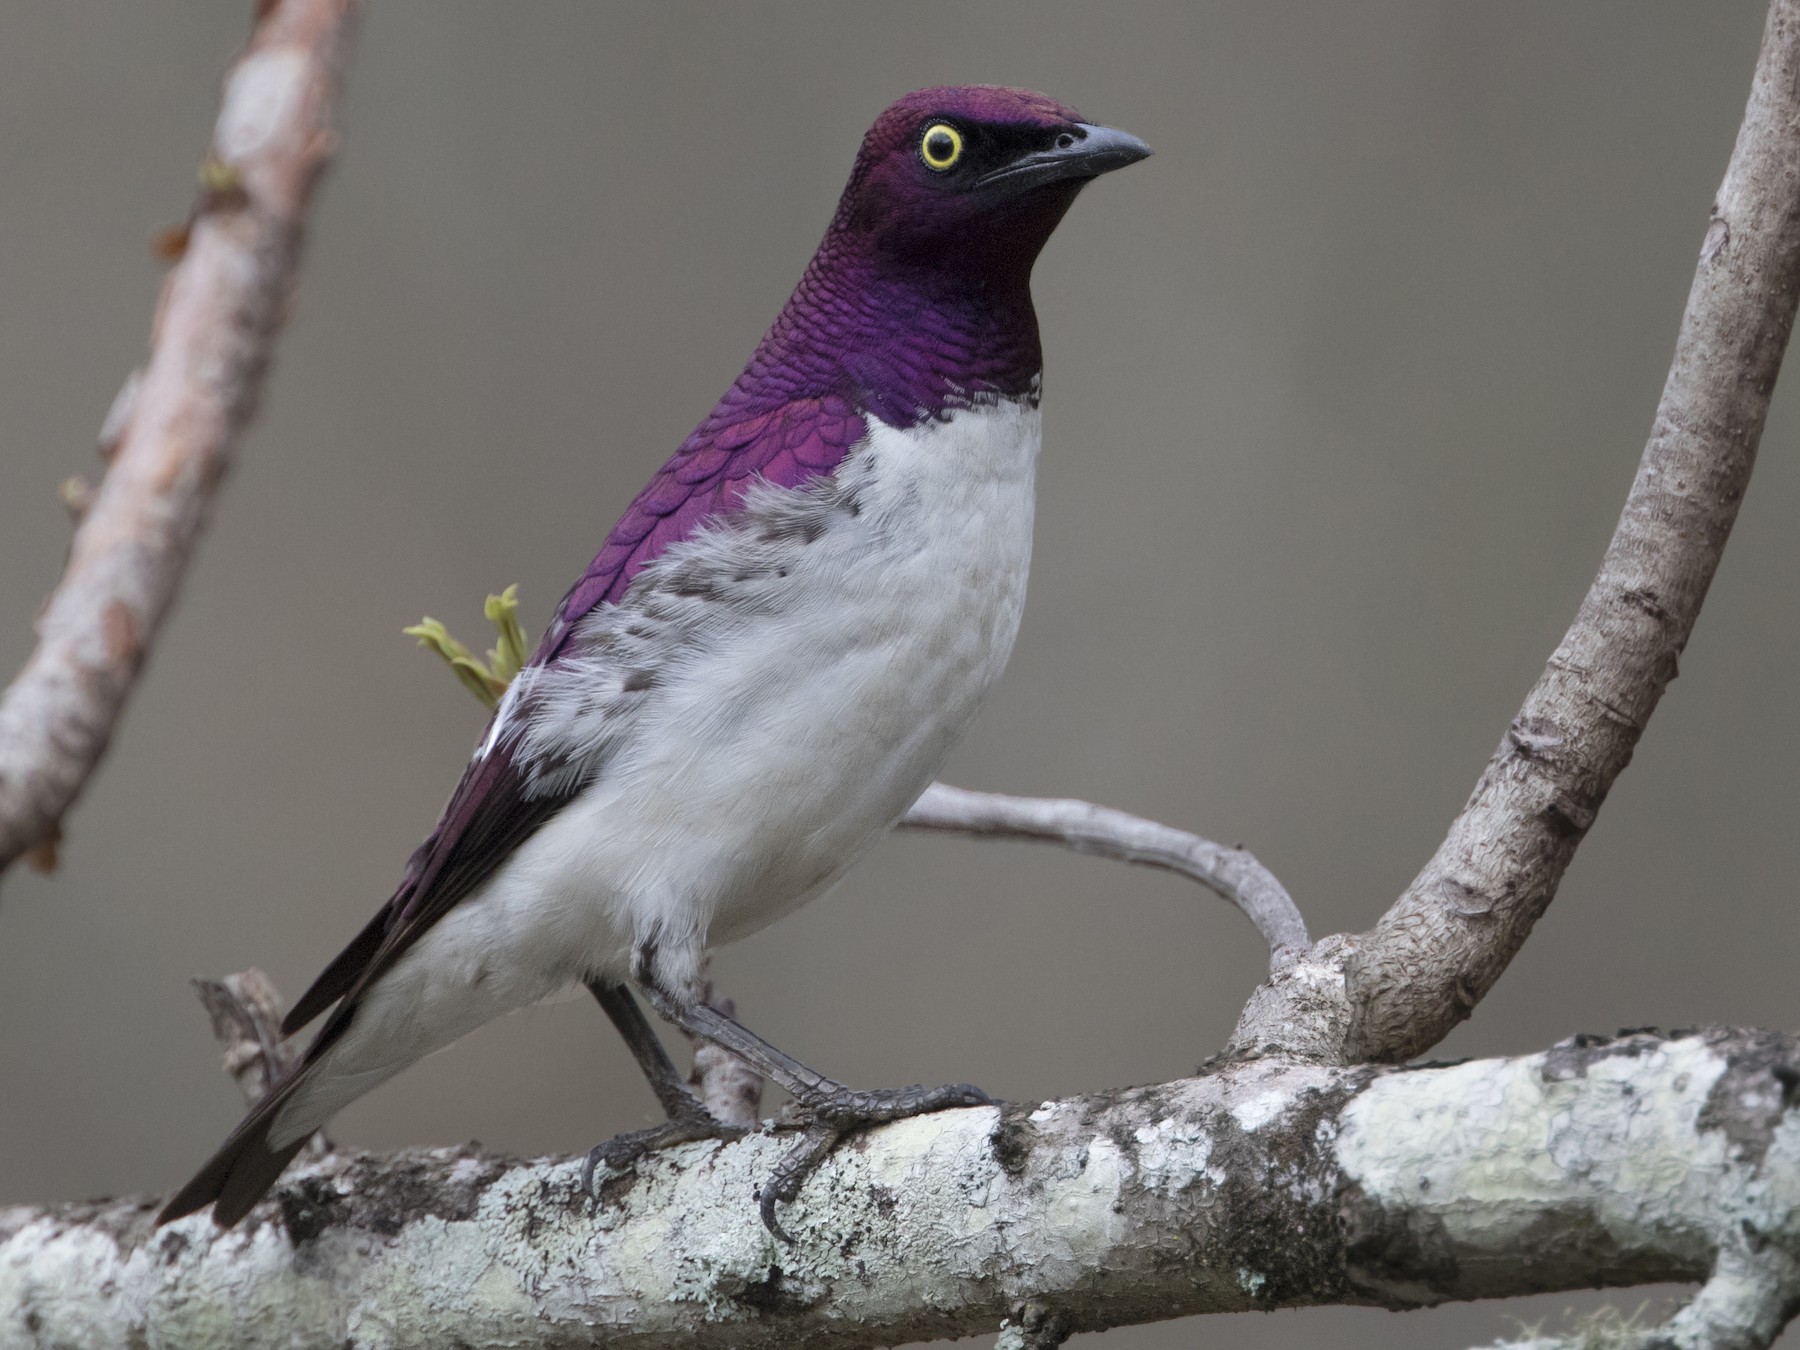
[(501, 801), (788, 445)]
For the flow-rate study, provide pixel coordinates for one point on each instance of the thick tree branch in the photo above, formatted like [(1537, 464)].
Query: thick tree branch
[(1395, 991), (175, 426), (1231, 873), (1267, 1184)]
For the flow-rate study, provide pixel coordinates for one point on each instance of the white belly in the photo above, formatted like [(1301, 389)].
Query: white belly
[(789, 744), (780, 742)]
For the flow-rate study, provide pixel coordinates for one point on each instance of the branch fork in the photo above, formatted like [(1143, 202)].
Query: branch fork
[(1394, 991)]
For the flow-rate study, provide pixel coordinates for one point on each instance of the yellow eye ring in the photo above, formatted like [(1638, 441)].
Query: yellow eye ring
[(940, 147)]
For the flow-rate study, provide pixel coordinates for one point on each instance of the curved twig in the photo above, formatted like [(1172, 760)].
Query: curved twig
[(176, 425), (1395, 991), (1231, 873)]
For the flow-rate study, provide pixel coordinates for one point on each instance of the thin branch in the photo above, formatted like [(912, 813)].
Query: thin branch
[(1232, 873), (177, 427), (246, 1012), (1267, 1184), (1395, 991), (729, 1087), (246, 1017)]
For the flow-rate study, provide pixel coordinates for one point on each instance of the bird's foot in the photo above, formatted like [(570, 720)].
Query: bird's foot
[(623, 1151), (836, 1111)]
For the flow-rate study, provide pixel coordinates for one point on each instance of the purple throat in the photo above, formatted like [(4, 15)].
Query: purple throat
[(901, 330)]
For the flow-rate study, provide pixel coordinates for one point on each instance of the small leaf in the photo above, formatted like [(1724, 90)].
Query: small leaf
[(171, 244), (431, 633), (510, 653), (42, 856), (487, 681)]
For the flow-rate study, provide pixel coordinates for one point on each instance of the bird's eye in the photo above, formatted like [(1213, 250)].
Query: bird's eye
[(941, 146)]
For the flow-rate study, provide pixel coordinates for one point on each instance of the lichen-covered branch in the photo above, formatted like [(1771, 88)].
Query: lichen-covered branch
[(1231, 873), (174, 427), (1395, 991), (1263, 1185)]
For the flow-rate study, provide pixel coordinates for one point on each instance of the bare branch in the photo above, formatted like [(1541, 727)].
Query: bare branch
[(246, 1017), (1395, 991), (1268, 1184), (246, 1012), (1232, 873), (728, 1086), (210, 347)]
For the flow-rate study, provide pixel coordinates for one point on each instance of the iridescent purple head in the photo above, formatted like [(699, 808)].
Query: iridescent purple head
[(972, 179), (918, 300), (917, 304)]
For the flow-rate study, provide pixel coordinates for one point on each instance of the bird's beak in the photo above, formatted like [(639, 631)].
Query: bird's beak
[(1084, 151)]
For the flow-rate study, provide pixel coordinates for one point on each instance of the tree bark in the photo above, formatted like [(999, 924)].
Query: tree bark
[(1299, 1170), (1264, 1185)]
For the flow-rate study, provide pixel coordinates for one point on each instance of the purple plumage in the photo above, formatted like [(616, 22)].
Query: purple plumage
[(916, 303), (913, 305), (707, 477), (916, 306)]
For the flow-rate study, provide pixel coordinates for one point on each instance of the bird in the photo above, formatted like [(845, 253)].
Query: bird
[(766, 663)]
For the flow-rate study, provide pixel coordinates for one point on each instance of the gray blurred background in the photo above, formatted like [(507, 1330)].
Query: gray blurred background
[(1344, 390)]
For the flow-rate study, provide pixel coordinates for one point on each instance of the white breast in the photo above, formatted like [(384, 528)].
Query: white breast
[(767, 700), (833, 645)]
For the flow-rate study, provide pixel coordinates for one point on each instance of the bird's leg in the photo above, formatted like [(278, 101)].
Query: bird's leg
[(835, 1110), (688, 1117), (646, 1048)]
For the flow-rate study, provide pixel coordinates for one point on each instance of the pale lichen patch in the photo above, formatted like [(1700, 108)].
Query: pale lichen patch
[(1451, 1170)]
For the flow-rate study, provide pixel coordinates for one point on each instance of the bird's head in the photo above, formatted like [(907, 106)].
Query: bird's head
[(919, 298), (974, 177)]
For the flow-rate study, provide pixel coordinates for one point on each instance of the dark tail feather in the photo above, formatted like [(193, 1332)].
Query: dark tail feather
[(243, 1169), (335, 980)]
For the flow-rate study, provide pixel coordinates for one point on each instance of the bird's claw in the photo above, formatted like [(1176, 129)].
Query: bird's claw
[(838, 1111), (624, 1151), (784, 1182)]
